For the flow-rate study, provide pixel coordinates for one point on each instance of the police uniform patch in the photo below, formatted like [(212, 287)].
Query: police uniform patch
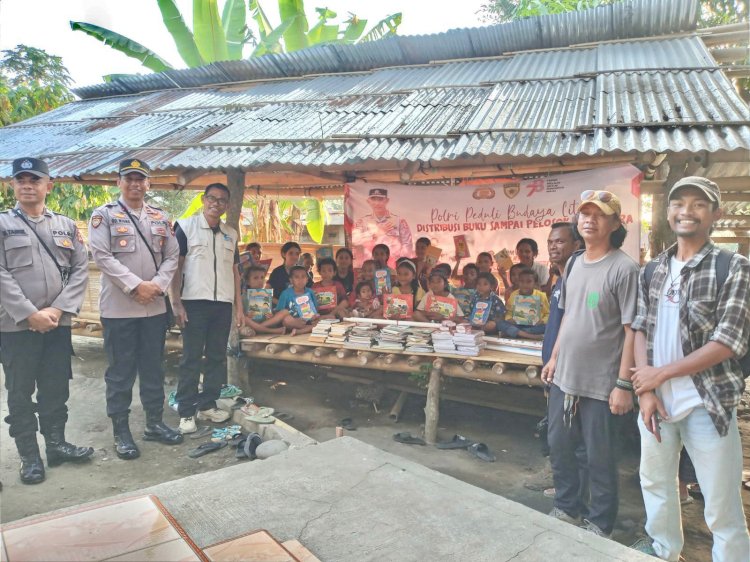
[(122, 229), (123, 243), (135, 164), (26, 165), (96, 220), (67, 243), (120, 215)]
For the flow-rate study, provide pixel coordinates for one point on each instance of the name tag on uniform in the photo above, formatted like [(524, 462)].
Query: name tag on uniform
[(14, 232)]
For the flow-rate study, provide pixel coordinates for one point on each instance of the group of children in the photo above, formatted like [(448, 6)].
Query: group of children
[(292, 301)]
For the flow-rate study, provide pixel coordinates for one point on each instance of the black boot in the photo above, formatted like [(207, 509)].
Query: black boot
[(59, 450), (32, 467), (157, 430), (124, 445)]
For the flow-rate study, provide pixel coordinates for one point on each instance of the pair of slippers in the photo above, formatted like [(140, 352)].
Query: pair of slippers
[(258, 414), (205, 448), (247, 445), (478, 450), (348, 424)]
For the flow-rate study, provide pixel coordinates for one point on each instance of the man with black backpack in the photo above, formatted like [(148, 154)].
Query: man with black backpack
[(693, 324)]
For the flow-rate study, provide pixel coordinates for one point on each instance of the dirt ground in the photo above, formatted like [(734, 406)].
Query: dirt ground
[(318, 403)]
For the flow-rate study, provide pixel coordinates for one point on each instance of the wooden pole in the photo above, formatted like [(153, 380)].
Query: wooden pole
[(398, 406), (343, 353), (364, 357), (468, 365), (322, 351), (432, 407), (272, 348)]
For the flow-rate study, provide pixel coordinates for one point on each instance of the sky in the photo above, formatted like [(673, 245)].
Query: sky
[(44, 24)]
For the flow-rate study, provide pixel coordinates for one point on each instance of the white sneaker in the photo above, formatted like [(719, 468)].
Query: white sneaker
[(558, 513), (214, 414), (187, 425)]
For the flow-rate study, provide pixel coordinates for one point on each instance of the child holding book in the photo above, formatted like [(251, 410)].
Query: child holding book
[(255, 250), (527, 309), (367, 304), (279, 279), (381, 254), (258, 304), (486, 306), (296, 307), (527, 250), (330, 295), (466, 292), (366, 274), (515, 269), (406, 284), (345, 269), (438, 304)]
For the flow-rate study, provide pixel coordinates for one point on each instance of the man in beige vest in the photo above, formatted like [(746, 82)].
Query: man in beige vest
[(133, 245), (203, 291)]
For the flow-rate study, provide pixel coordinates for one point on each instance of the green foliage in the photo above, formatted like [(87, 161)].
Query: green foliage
[(501, 11), (181, 34), (722, 12), (315, 217)]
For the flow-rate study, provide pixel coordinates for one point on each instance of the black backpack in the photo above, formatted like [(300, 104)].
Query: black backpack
[(722, 272)]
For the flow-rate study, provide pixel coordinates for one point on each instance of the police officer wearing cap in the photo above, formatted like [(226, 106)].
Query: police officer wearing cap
[(381, 227), (133, 245), (43, 276)]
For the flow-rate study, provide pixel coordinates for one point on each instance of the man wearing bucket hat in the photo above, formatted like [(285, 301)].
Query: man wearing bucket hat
[(133, 246), (693, 323), (589, 370), (43, 277)]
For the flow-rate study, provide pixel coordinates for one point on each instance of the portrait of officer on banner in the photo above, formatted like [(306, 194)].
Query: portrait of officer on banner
[(381, 226)]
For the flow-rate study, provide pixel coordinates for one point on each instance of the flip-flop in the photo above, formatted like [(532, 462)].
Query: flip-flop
[(240, 401), (348, 424), (283, 416), (250, 444), (206, 448), (482, 452), (202, 432), (458, 442), (229, 391), (408, 439)]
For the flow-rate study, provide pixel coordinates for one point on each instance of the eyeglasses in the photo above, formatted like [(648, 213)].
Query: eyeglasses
[(215, 200), (591, 194)]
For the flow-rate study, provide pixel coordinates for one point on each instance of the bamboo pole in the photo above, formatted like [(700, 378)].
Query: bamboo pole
[(532, 371), (395, 413), (468, 365), (413, 360), (343, 353), (432, 406), (365, 357), (322, 351), (498, 368), (273, 348), (389, 358)]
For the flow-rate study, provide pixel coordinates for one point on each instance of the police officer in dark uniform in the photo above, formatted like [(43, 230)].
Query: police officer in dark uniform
[(133, 245), (43, 277)]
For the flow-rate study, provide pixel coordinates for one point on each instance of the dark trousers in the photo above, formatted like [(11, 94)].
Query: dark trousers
[(594, 426), (41, 362), (134, 346), (205, 334)]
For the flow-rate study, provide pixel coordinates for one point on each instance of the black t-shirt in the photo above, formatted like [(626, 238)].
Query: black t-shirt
[(279, 280), (183, 243), (347, 281)]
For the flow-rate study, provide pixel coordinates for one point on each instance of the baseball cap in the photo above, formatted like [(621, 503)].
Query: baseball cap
[(607, 201), (32, 166), (378, 192), (709, 188), (134, 165)]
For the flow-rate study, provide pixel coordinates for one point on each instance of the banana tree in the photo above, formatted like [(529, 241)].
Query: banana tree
[(217, 37)]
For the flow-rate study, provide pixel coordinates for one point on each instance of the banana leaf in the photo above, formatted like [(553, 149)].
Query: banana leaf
[(315, 218), (320, 32), (264, 26), (127, 46), (181, 34), (208, 32), (234, 20), (271, 43), (196, 204), (354, 29), (295, 37), (386, 26)]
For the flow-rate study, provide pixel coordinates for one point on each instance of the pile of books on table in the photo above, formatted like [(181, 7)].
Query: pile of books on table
[(442, 341), (467, 341), (419, 340), (338, 332), (391, 338), (525, 347), (361, 336), (321, 330)]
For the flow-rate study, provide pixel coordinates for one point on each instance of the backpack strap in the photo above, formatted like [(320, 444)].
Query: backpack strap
[(722, 269), (571, 259)]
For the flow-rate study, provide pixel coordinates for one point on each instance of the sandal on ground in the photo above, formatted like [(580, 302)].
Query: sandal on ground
[(458, 442), (283, 416), (229, 391), (206, 448), (202, 432), (250, 444), (348, 424), (482, 452), (408, 439)]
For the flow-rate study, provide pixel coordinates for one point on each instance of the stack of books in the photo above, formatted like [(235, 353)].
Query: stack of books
[(338, 333), (468, 342), (419, 340), (361, 336), (391, 338), (442, 341), (321, 330), (525, 347)]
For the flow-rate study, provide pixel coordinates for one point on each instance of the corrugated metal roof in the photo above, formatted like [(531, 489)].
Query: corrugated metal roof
[(551, 103), (621, 20)]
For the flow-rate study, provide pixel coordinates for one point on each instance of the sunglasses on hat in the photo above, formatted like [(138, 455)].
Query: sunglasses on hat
[(591, 195)]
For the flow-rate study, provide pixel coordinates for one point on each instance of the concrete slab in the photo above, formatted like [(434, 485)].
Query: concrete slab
[(346, 500)]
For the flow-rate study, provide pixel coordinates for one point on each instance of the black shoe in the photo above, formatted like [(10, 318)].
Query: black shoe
[(124, 444), (161, 432), (60, 451), (32, 467)]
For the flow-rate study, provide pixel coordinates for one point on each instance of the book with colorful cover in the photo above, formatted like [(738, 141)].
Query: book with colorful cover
[(265, 264), (462, 247), (527, 310), (463, 295), (432, 255), (480, 315), (258, 303), (398, 307), (325, 298), (382, 281), (445, 306), (503, 259), (305, 307), (323, 252)]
